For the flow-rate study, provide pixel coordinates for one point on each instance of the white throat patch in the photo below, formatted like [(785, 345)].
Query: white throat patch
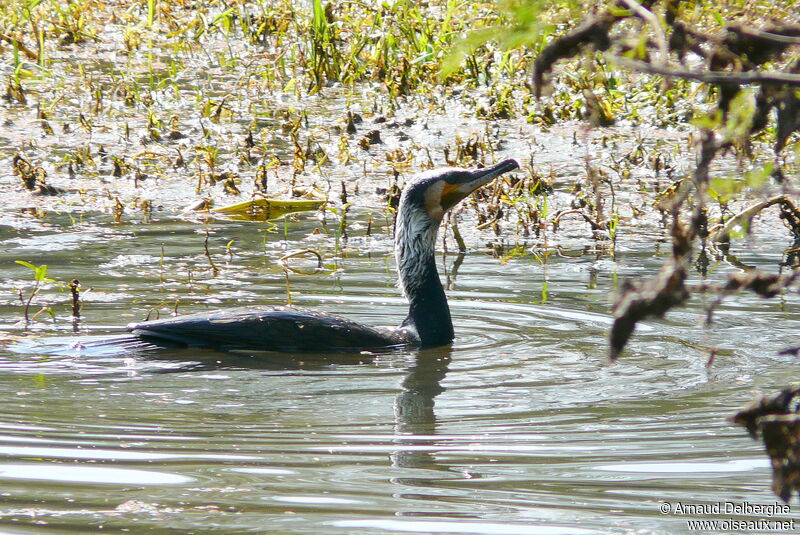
[(414, 242)]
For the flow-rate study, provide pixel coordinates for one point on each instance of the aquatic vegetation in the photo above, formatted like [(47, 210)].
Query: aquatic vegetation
[(284, 263), (264, 208), (39, 279), (74, 287)]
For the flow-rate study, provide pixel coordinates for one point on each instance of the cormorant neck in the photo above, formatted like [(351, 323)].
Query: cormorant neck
[(428, 314)]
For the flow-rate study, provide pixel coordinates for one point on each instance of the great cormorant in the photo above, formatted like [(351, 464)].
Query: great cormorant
[(423, 203)]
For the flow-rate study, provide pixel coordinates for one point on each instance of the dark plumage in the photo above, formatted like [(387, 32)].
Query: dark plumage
[(422, 205), (276, 328)]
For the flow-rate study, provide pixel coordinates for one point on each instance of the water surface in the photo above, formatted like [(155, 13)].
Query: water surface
[(522, 426)]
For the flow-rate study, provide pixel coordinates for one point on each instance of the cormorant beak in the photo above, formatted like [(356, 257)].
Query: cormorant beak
[(459, 185)]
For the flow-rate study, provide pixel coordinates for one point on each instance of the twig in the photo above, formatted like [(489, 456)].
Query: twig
[(214, 268), (285, 264), (650, 18), (16, 42), (761, 34), (462, 247), (594, 224), (489, 223), (593, 31), (723, 233), (713, 77), (75, 289)]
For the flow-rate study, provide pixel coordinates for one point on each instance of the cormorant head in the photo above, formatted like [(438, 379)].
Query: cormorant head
[(436, 191), (422, 205)]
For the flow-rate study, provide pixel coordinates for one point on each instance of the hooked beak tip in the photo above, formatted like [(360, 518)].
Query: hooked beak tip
[(497, 169)]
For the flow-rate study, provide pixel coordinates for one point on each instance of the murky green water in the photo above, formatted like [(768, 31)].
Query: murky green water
[(522, 427)]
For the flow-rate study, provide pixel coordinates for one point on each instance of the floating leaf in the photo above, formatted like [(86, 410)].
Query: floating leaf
[(26, 264), (39, 272), (262, 209)]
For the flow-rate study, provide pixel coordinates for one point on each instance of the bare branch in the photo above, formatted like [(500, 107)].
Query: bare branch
[(723, 233), (652, 20), (711, 77)]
